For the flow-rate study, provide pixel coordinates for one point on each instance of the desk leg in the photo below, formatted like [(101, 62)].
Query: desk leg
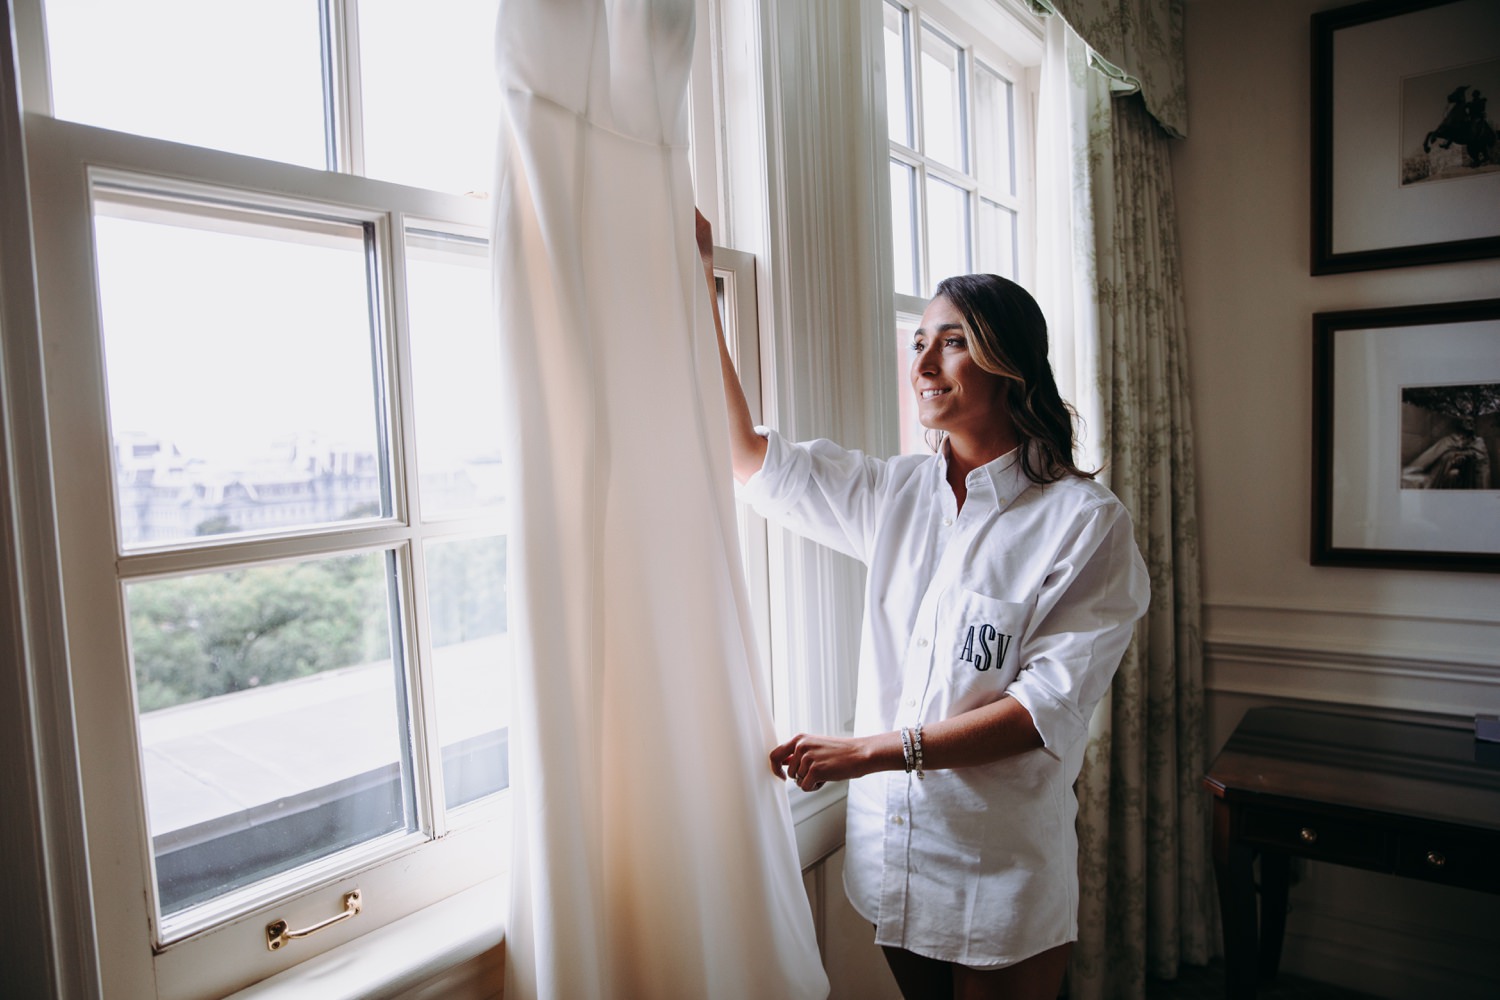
[(1234, 869), (1275, 875)]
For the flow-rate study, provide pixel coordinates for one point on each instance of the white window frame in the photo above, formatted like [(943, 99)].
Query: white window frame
[(400, 875), (1006, 40)]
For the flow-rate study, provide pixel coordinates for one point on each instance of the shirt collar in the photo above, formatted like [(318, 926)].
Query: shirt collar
[(1001, 479)]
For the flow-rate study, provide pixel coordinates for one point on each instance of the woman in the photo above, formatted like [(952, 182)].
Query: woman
[(1002, 587)]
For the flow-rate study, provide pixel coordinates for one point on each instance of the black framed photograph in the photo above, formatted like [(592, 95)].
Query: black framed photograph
[(1405, 158), (1406, 437)]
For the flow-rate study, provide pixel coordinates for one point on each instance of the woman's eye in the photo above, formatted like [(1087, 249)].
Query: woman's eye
[(954, 342), (916, 347)]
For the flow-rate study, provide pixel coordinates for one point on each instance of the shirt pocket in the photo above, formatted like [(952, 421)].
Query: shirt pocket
[(977, 648)]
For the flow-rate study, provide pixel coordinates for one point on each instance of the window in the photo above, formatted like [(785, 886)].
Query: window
[(277, 455), (958, 99)]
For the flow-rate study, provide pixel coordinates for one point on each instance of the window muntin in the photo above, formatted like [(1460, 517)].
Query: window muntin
[(234, 410), (245, 78)]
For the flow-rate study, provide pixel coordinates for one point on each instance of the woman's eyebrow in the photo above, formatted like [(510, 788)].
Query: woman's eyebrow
[(919, 331)]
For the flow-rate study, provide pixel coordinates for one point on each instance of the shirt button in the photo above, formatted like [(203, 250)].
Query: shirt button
[(897, 821), (922, 641), (911, 702), (947, 522)]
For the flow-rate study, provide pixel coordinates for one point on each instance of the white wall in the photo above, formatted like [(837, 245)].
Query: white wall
[(1277, 629)]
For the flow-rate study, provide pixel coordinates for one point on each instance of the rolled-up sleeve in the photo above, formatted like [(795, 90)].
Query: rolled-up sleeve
[(819, 490), (1085, 616)]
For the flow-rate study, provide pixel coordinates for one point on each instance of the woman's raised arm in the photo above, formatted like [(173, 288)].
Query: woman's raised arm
[(747, 449)]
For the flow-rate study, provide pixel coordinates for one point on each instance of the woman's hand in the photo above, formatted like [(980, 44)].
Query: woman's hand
[(813, 761)]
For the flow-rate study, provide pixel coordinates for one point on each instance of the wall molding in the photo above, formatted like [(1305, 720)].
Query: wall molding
[(1407, 660)]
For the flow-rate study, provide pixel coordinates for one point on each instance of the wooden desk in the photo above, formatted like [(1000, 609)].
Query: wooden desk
[(1413, 800)]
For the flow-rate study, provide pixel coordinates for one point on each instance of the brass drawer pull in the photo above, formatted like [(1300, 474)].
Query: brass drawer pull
[(1309, 835), (1436, 859), (278, 935)]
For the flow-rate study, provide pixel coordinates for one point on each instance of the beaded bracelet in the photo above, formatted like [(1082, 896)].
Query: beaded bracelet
[(916, 743), (906, 749)]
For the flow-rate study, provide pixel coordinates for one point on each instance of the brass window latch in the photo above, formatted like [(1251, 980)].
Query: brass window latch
[(277, 933)]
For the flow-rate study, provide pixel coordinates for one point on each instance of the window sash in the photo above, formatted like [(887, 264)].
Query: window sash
[(1012, 188), (397, 874)]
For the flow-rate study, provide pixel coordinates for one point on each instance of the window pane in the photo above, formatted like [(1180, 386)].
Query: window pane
[(897, 74), (947, 230), (471, 664), (241, 377), (247, 78), (904, 227), (913, 434), (271, 719), (996, 248), (427, 75), (456, 371), (943, 99), (994, 138)]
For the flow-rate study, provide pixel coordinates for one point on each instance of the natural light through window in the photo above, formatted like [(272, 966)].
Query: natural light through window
[(230, 664), (429, 98), (289, 433), (256, 72)]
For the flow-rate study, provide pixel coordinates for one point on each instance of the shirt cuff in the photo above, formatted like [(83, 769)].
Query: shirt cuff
[(1057, 721)]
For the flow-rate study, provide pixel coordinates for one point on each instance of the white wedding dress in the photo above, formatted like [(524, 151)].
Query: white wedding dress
[(654, 854)]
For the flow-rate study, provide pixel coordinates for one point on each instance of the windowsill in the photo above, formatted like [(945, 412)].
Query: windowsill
[(409, 952), (401, 955), (818, 820)]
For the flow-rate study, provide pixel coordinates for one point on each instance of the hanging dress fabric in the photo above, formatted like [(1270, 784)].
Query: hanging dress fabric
[(654, 855)]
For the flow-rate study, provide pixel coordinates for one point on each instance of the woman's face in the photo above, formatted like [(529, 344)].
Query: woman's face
[(953, 393)]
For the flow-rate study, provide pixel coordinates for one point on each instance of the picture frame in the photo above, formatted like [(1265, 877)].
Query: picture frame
[(1392, 82), (1406, 437)]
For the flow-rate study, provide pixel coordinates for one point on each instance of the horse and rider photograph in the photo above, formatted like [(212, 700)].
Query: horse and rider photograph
[(1445, 125)]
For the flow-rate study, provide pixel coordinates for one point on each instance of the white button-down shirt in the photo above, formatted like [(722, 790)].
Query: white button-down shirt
[(1029, 591)]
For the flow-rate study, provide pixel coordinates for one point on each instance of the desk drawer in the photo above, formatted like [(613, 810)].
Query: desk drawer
[(1452, 860), (1315, 836)]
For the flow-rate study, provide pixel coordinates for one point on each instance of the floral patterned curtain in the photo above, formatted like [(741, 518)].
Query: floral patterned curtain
[(1138, 42), (1146, 902), (1143, 834)]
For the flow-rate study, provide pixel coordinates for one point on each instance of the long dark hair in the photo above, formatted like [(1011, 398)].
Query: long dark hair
[(1008, 337)]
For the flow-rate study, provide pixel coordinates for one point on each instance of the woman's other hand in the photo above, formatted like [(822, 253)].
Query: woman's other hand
[(813, 761)]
